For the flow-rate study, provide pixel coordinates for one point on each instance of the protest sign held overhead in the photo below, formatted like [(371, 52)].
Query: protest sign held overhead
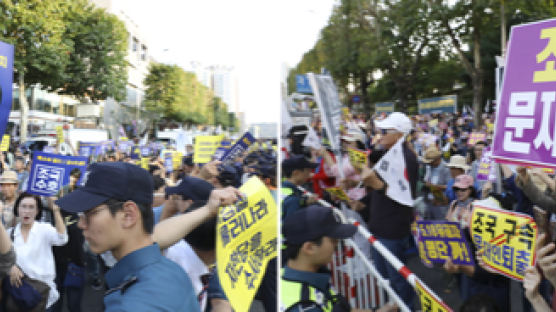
[(337, 192), (87, 149), (442, 240), (312, 139), (391, 168), (50, 172), (476, 137), (239, 147), (507, 239), (5, 145), (246, 241), (524, 131), (329, 105), (6, 80), (487, 167), (205, 146)]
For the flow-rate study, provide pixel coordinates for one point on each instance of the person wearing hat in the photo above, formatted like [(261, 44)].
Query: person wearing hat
[(8, 186), (389, 220), (436, 178), (311, 236), (297, 171), (115, 213), (458, 166)]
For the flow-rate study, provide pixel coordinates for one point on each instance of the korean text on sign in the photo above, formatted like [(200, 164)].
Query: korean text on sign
[(50, 172), (525, 130), (506, 238), (246, 240), (440, 240), (475, 137), (205, 146), (429, 302)]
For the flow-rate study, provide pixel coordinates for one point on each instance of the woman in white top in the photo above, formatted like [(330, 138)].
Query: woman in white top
[(33, 241)]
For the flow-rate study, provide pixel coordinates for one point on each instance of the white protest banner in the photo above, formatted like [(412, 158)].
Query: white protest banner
[(329, 105)]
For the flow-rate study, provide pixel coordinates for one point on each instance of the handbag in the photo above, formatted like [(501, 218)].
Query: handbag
[(75, 276), (32, 295)]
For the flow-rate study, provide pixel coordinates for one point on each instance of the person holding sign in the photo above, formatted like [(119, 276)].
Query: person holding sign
[(115, 213), (312, 235)]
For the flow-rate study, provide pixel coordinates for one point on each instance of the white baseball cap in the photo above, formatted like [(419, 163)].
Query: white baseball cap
[(398, 121)]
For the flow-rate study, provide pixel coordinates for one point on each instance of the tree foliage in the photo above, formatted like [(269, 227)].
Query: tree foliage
[(402, 50), (177, 95)]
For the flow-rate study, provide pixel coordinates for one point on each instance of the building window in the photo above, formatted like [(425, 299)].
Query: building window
[(143, 52), (135, 44)]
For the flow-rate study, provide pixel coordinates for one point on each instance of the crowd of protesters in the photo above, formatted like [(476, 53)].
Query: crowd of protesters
[(146, 238), (441, 164)]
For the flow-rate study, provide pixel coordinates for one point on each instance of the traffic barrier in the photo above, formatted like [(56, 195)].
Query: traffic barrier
[(354, 275)]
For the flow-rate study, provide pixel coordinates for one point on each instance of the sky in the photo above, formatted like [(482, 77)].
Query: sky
[(255, 37)]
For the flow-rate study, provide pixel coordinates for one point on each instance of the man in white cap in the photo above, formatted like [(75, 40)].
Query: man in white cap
[(390, 221)]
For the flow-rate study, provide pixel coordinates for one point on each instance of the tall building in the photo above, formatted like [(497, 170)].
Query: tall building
[(138, 57), (222, 80)]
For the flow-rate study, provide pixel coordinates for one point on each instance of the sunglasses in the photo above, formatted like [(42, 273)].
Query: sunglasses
[(387, 131), (457, 189)]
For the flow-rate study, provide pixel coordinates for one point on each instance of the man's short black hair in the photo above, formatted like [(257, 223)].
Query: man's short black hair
[(292, 251), (146, 213), (75, 172)]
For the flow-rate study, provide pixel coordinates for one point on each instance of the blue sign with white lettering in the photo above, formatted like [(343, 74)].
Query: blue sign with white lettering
[(6, 80), (241, 146), (51, 171), (302, 84)]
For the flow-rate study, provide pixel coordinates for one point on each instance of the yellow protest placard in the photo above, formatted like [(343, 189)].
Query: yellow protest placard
[(145, 163), (246, 239), (205, 146), (429, 302), (176, 160), (121, 139), (475, 137), (5, 145), (357, 158), (338, 192), (60, 134), (433, 123), (506, 238)]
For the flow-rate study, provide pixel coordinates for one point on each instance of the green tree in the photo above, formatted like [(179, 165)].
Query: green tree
[(97, 67), (36, 29)]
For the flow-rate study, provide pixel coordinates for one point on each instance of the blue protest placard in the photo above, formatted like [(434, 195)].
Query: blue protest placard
[(50, 172), (87, 149), (241, 146), (136, 152), (168, 162), (6, 80), (440, 240), (145, 151)]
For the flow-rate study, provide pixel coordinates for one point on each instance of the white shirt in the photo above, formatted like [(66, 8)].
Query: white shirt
[(182, 254), (35, 257)]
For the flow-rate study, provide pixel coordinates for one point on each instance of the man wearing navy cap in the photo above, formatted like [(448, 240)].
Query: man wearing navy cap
[(311, 237), (297, 171), (116, 215)]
